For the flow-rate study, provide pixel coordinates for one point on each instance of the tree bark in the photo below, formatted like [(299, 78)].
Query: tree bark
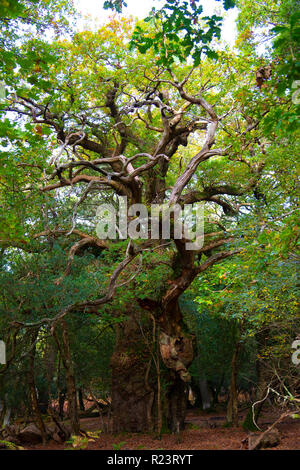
[(176, 347), (65, 352), (205, 394), (33, 391), (232, 407), (137, 377), (70, 381), (61, 403), (80, 400), (132, 398), (251, 421), (177, 398), (133, 386), (5, 413)]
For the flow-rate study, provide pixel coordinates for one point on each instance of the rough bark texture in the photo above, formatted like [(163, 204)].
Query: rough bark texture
[(132, 394), (177, 356), (176, 346), (137, 402)]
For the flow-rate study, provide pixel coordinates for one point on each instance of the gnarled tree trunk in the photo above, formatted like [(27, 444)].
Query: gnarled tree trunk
[(136, 375), (176, 349), (133, 386)]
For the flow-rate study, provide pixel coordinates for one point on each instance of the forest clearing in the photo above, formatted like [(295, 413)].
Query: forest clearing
[(149, 225)]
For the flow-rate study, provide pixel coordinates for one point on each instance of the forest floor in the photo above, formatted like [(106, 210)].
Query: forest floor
[(204, 431)]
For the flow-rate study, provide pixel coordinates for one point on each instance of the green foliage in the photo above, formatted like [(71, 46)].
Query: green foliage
[(22, 20), (81, 442), (176, 32), (11, 446), (30, 289), (282, 38), (119, 445), (114, 5), (216, 337)]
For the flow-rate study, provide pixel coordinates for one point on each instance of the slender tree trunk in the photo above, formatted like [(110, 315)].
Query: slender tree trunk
[(61, 403), (217, 390), (66, 357), (70, 381), (232, 407), (205, 394), (159, 407), (251, 421), (50, 360), (80, 400), (33, 392)]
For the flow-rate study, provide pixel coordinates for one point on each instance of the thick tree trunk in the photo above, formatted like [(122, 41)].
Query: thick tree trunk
[(137, 404), (133, 386), (176, 348)]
